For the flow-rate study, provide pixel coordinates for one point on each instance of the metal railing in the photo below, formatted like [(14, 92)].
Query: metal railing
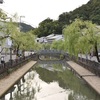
[(92, 66), (14, 64), (88, 64), (50, 52)]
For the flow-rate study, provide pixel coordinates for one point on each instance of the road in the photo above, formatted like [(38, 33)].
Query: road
[(88, 57), (7, 56)]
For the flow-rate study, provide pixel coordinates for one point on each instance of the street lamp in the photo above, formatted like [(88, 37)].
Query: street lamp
[(11, 55), (10, 48)]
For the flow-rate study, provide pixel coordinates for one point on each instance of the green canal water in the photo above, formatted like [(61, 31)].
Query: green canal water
[(51, 81)]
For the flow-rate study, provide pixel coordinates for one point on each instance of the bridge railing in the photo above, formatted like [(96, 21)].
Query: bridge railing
[(47, 51), (13, 64)]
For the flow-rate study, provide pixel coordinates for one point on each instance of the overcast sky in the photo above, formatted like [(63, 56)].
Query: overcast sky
[(36, 11)]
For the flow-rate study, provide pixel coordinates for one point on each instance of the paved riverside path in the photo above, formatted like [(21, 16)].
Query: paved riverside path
[(7, 82), (89, 77)]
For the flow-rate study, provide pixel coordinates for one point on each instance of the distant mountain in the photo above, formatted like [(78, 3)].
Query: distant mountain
[(25, 27), (89, 11)]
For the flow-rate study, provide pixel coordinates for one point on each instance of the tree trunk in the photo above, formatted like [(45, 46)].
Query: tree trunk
[(23, 53), (17, 51), (96, 51)]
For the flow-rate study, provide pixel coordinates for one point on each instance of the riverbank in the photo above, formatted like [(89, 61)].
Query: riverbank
[(89, 77), (7, 82)]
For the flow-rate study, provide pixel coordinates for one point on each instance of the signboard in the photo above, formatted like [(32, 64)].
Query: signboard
[(9, 42)]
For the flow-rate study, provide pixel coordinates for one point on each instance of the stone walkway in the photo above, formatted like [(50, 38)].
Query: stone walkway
[(7, 82), (89, 77)]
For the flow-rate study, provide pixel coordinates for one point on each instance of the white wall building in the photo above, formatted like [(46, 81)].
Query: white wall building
[(50, 38), (6, 44)]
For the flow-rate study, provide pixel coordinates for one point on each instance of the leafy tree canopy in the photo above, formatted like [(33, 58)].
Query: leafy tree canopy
[(89, 11), (47, 27), (20, 40), (82, 36)]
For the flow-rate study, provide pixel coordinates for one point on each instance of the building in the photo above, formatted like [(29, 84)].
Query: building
[(6, 44), (50, 38), (54, 37)]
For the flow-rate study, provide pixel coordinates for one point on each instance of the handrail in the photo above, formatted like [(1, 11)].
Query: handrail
[(92, 66), (13, 64)]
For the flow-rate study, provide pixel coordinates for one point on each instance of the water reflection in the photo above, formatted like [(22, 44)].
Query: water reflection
[(67, 80), (51, 81), (50, 57), (26, 90)]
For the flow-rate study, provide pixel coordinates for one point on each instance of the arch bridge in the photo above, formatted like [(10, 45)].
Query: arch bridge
[(50, 55)]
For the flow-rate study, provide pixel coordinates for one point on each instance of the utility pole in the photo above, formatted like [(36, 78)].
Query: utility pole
[(20, 22)]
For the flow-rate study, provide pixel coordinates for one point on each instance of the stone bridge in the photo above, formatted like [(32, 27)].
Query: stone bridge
[(51, 54)]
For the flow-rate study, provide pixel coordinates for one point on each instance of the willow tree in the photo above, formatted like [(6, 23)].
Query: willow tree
[(3, 24), (58, 45), (20, 40), (28, 41), (82, 36), (11, 31), (23, 41), (3, 16), (7, 26)]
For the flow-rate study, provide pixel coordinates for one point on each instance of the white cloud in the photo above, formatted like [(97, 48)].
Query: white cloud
[(36, 11)]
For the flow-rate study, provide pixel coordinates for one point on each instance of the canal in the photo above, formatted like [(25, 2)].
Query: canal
[(51, 81)]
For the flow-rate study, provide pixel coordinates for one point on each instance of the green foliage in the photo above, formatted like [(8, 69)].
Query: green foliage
[(38, 46), (64, 19), (71, 34), (25, 41), (3, 16), (47, 27), (4, 31), (81, 36), (89, 11), (25, 27), (21, 40), (59, 45)]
